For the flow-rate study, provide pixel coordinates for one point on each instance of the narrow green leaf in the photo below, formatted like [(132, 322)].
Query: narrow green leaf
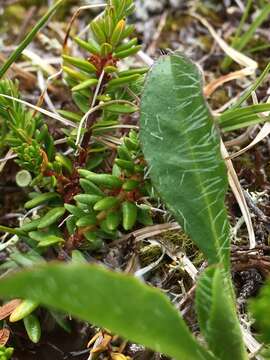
[(30, 226), (41, 199), (75, 74), (217, 316), (12, 231), (87, 220), (129, 211), (123, 81), (85, 84), (88, 45), (125, 53), (182, 148), (127, 45), (79, 63), (110, 181), (88, 199), (51, 217), (135, 311), (121, 108), (29, 37), (106, 203), (50, 240), (24, 309), (32, 327)]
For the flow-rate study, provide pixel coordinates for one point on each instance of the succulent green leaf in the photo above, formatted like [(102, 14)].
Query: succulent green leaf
[(129, 211), (79, 63), (182, 148), (125, 53), (24, 309), (89, 45), (51, 217), (135, 311), (41, 199), (107, 180), (32, 327), (85, 84)]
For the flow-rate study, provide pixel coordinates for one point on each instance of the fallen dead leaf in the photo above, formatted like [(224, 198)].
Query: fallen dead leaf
[(4, 336), (8, 308)]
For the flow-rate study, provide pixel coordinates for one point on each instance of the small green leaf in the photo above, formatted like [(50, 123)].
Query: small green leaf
[(129, 211), (32, 327), (85, 84), (89, 45), (30, 226), (123, 81), (98, 31), (87, 220), (65, 162), (50, 240), (110, 181), (127, 45), (87, 199), (121, 108), (106, 203), (139, 71), (125, 53), (90, 188), (106, 49), (113, 220), (41, 199), (80, 64), (74, 210), (125, 164), (75, 74), (130, 185), (24, 309), (118, 32), (51, 217)]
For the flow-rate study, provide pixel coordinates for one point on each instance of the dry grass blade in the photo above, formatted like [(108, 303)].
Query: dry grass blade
[(237, 56), (213, 85), (43, 111), (262, 134), (239, 195), (36, 60)]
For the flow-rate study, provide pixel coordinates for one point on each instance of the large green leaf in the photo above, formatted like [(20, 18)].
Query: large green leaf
[(112, 300), (182, 148), (217, 316)]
